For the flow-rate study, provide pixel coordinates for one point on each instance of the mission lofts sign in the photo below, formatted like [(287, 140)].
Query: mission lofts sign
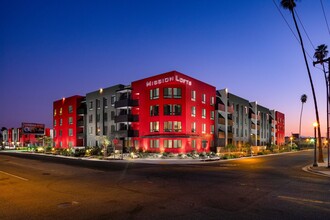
[(175, 78)]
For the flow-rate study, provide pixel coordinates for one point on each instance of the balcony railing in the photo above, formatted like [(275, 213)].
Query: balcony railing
[(126, 103), (126, 118), (127, 133)]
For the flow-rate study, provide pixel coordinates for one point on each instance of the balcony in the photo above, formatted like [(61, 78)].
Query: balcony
[(80, 123), (81, 111), (126, 103), (80, 135), (126, 118), (127, 133)]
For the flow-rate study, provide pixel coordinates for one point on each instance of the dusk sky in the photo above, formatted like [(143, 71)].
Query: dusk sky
[(55, 49)]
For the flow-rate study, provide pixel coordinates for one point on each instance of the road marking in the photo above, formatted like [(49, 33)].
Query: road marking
[(304, 200), (18, 177)]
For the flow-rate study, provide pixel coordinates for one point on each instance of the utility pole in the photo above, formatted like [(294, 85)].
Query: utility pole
[(327, 82)]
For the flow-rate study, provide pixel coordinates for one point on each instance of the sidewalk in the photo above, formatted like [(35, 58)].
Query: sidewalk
[(322, 169)]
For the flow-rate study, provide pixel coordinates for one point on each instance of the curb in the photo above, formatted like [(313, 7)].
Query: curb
[(309, 169)]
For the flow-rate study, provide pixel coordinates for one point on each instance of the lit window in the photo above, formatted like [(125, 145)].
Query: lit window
[(193, 95), (60, 111), (193, 111), (54, 122), (154, 126), (61, 121), (193, 127), (70, 144), (168, 143), (90, 130), (70, 109), (177, 126), (168, 126), (212, 129), (154, 143), (54, 112), (177, 143)]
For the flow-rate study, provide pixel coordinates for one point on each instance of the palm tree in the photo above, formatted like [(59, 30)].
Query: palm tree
[(290, 5), (303, 100)]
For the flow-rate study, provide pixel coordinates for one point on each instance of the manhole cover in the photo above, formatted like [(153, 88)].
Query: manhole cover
[(67, 204)]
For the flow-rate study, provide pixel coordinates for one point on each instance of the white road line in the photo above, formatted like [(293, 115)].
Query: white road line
[(18, 177), (304, 200)]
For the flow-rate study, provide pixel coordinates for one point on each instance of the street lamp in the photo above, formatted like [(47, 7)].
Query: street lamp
[(315, 126), (291, 138)]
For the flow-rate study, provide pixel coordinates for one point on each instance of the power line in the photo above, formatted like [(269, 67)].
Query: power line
[(325, 17), (279, 10), (304, 29)]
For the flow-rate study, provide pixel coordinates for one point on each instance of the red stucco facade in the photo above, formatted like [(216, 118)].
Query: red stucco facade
[(176, 114), (280, 128)]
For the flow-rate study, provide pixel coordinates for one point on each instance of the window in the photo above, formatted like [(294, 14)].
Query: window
[(70, 109), (60, 111), (60, 133), (167, 93), (90, 130), (203, 128), (177, 93), (212, 115), (212, 100), (54, 122), (154, 110), (168, 126), (203, 113), (70, 144), (193, 95), (61, 121), (154, 143), (54, 112), (177, 143), (70, 121), (136, 143), (90, 105), (61, 144), (70, 132), (154, 126), (177, 109), (154, 93), (98, 104), (177, 126), (105, 102), (90, 118), (98, 131), (193, 127), (113, 128), (105, 130), (193, 143), (212, 129), (193, 111), (112, 115), (203, 98), (167, 109), (168, 143), (105, 116), (113, 100), (98, 117)]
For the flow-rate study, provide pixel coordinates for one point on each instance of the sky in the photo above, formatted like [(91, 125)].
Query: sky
[(55, 49)]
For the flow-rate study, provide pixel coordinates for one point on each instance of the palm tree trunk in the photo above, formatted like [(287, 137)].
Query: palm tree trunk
[(302, 107), (320, 157)]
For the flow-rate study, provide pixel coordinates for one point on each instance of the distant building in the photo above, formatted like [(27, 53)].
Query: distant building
[(69, 122)]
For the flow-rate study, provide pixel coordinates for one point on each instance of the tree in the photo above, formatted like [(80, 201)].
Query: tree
[(303, 100), (290, 5)]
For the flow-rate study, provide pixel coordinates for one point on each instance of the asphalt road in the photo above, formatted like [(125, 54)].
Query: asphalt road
[(272, 187)]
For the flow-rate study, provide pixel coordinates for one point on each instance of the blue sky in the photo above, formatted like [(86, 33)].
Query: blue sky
[(55, 49)]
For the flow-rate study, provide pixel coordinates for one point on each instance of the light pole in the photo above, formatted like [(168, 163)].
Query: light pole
[(315, 141), (291, 138)]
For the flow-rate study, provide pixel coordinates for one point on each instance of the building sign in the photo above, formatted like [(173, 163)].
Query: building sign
[(167, 80), (33, 128)]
